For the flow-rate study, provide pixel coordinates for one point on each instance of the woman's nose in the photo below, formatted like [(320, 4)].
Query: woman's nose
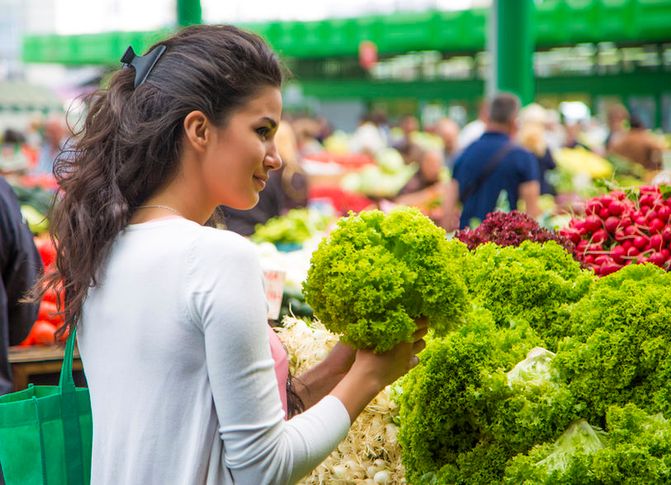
[(273, 159)]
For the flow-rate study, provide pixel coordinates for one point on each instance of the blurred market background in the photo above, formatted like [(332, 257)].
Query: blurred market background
[(381, 99), (416, 71)]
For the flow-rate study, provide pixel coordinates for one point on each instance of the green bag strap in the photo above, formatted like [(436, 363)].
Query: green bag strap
[(66, 379), (72, 437)]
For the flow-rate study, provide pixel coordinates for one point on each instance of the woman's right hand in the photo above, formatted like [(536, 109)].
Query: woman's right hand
[(388, 366), (371, 372)]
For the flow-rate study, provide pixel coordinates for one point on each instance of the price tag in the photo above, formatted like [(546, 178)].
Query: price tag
[(273, 282)]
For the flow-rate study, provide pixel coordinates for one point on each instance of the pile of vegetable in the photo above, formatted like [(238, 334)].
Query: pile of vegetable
[(532, 283), (293, 304), (463, 416), (49, 319), (475, 411), (509, 229), (622, 228), (293, 228), (636, 448), (580, 161), (375, 274), (384, 179), (35, 202), (619, 344), (475, 401), (370, 453), (554, 376)]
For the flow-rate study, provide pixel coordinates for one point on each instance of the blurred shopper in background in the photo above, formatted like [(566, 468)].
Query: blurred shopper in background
[(639, 145), (171, 315), (555, 133), (448, 131), (532, 135), (428, 174), (324, 129), (401, 134), (424, 190), (411, 153), (492, 167), (21, 266), (616, 118), (287, 188), (307, 131), (474, 130), (574, 132)]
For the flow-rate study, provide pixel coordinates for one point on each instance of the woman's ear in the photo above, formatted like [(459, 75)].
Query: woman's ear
[(197, 130)]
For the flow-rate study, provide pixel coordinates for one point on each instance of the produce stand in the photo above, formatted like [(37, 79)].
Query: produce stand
[(327, 169), (38, 363)]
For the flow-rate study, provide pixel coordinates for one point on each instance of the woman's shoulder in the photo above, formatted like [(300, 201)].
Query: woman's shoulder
[(221, 243), (186, 235), (216, 253)]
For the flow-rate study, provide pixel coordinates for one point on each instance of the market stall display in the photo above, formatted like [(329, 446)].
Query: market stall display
[(622, 228), (292, 229), (49, 319), (382, 180), (370, 452), (35, 198), (548, 359), (511, 386), (509, 229)]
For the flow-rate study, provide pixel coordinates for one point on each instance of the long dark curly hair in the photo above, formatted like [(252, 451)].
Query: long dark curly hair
[(131, 141)]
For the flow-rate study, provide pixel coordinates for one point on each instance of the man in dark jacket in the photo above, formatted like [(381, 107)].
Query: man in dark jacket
[(491, 167), (21, 265)]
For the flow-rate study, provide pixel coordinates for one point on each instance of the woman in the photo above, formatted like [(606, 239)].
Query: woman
[(171, 315)]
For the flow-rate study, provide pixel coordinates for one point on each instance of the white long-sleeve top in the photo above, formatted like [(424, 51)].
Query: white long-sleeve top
[(175, 348)]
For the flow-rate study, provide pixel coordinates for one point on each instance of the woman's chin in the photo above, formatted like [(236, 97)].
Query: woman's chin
[(244, 205)]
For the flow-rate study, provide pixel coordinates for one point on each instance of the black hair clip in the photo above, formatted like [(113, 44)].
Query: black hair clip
[(142, 64)]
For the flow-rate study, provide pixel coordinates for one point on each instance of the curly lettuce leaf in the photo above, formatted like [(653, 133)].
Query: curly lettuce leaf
[(375, 274)]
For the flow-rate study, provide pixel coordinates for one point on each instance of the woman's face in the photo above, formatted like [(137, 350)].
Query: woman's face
[(243, 152)]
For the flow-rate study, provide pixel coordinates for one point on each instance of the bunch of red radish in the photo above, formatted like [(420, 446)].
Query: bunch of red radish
[(620, 229)]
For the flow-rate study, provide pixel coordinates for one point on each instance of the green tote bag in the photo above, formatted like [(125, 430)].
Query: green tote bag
[(45, 432)]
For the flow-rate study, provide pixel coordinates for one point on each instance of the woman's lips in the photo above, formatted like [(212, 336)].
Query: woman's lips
[(260, 181)]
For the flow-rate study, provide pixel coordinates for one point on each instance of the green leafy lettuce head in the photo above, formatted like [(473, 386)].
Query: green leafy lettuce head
[(534, 282), (562, 462), (620, 344), (375, 274), (474, 402), (634, 449)]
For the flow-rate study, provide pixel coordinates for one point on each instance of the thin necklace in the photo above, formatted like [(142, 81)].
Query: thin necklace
[(159, 206)]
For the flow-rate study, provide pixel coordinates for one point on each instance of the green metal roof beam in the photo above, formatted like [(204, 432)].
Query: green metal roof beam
[(189, 12), (555, 22), (634, 83)]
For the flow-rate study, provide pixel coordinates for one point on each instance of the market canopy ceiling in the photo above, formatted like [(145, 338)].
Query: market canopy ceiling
[(555, 23)]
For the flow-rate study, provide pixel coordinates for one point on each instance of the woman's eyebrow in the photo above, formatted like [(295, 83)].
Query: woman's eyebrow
[(273, 123)]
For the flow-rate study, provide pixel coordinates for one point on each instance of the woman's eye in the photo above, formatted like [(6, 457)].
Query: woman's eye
[(263, 132)]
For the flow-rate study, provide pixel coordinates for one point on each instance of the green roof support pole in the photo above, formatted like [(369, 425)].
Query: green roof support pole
[(189, 12), (511, 46)]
